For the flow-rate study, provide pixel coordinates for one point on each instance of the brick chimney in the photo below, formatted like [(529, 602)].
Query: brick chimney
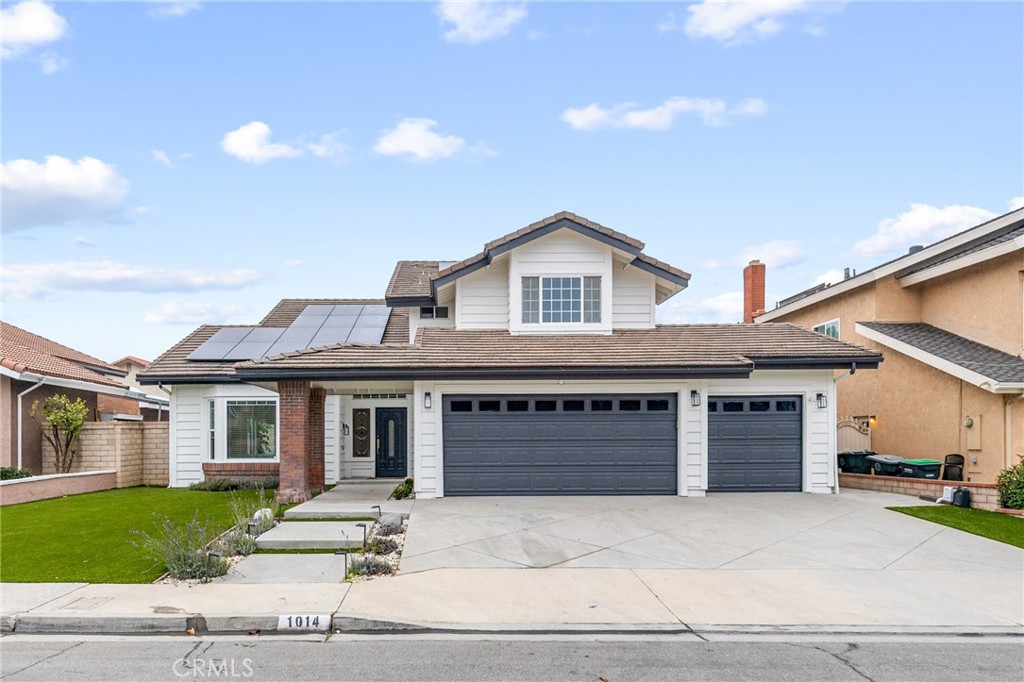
[(753, 291)]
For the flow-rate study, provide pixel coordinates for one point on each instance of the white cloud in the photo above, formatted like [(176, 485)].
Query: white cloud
[(473, 21), (294, 262), (29, 24), (38, 280), (922, 224), (50, 62), (829, 277), (414, 136), (712, 112), (83, 242), (60, 190), (161, 156), (779, 253), (169, 9), (193, 312), (732, 23), (727, 307), (1015, 203), (251, 143), (328, 146)]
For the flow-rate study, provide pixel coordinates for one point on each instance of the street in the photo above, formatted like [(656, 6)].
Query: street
[(450, 657)]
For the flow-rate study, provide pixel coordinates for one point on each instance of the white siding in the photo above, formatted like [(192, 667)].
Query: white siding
[(481, 298), (446, 298), (632, 299), (333, 442), (188, 432)]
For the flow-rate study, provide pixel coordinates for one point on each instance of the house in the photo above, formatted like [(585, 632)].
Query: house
[(33, 368), (950, 319), (152, 408), (532, 367)]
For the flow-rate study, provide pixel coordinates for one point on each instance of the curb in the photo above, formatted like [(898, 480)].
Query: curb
[(169, 624)]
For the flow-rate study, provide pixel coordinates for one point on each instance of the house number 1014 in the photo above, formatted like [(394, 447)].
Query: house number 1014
[(302, 622)]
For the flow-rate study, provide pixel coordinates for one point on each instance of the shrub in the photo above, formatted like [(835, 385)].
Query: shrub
[(380, 546), (244, 512), (389, 524), (182, 548), (10, 473), (369, 564), (402, 490), (238, 543), (1011, 486), (215, 485), (61, 422)]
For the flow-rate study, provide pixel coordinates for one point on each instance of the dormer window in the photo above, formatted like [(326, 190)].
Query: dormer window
[(560, 300)]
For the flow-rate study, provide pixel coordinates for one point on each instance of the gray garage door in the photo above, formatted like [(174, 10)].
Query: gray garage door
[(560, 444), (755, 443)]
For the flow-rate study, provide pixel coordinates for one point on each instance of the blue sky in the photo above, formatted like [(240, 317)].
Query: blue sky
[(172, 164)]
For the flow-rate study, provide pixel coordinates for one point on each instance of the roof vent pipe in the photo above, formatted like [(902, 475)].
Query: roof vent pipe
[(846, 274), (914, 249)]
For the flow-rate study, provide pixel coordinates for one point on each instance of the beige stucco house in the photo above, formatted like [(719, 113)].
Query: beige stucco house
[(949, 318)]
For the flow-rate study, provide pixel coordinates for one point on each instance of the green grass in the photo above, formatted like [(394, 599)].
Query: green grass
[(87, 538), (987, 524)]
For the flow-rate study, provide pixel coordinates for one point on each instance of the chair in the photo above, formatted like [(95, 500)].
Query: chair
[(953, 468)]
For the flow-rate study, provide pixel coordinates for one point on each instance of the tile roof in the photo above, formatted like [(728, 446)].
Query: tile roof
[(23, 351), (665, 348), (131, 359), (984, 360), (411, 279)]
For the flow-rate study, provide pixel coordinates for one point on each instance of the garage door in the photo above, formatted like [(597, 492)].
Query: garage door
[(755, 443), (559, 445)]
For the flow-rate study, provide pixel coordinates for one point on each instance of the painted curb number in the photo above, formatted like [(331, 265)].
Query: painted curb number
[(316, 621)]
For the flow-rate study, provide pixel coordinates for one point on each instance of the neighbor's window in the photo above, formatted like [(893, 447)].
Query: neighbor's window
[(554, 300), (252, 428), (830, 328)]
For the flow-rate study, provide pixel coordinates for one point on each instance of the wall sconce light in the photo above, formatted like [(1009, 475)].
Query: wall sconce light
[(427, 402), (344, 429), (695, 398), (822, 401)]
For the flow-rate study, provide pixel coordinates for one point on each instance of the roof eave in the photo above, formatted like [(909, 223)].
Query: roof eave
[(681, 282), (854, 362), (409, 301), (188, 379), (277, 373)]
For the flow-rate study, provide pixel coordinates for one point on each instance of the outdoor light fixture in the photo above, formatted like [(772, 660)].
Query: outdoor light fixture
[(344, 429), (822, 401), (426, 400), (695, 398), (377, 507), (363, 526)]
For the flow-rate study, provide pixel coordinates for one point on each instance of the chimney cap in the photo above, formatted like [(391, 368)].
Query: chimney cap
[(754, 262)]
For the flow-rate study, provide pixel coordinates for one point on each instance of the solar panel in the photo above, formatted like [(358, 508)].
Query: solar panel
[(317, 325)]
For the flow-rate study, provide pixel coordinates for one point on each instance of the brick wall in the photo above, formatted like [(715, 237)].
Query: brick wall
[(241, 471), (138, 451), (983, 495)]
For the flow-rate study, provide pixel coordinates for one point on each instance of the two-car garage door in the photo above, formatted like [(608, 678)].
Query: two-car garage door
[(560, 444)]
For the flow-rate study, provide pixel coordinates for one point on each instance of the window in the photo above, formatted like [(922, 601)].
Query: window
[(657, 405), (434, 313), (730, 406), (490, 406), (560, 300), (760, 406), (629, 405), (830, 328), (545, 405), (785, 406), (213, 429), (251, 428), (601, 405), (462, 406), (572, 406), (518, 405)]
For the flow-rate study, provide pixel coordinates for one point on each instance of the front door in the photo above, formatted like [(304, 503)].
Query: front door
[(391, 442)]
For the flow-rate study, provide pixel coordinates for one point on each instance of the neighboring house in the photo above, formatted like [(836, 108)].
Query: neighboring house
[(152, 408), (33, 368), (950, 319), (533, 367)]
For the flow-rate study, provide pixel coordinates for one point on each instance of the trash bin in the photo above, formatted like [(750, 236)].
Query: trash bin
[(855, 462), (885, 465), (920, 468)]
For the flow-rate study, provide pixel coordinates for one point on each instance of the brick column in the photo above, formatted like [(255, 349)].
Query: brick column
[(315, 435), (294, 407)]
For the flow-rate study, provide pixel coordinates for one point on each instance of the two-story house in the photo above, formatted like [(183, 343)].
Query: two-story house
[(950, 319), (533, 367)]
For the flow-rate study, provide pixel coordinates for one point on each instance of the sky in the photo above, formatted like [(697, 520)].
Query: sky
[(171, 164)]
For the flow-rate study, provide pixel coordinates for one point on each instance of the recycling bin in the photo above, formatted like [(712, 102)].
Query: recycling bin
[(920, 468), (855, 462), (886, 465)]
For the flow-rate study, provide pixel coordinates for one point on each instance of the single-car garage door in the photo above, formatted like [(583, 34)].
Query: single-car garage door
[(560, 444), (755, 443)]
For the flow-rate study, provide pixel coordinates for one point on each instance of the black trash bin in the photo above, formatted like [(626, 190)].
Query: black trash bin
[(855, 462), (885, 465)]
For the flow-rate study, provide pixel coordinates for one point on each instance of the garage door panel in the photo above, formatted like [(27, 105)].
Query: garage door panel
[(757, 445), (573, 449)]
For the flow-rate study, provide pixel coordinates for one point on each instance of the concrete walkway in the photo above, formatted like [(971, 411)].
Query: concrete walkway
[(353, 499)]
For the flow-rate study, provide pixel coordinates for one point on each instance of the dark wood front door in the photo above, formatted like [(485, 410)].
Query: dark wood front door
[(391, 442)]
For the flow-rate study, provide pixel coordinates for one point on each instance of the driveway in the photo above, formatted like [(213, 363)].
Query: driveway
[(852, 530)]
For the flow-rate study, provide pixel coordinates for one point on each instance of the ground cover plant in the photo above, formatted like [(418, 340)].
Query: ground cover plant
[(992, 525), (87, 538)]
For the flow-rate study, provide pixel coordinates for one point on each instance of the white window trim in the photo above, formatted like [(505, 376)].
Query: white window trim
[(221, 432), (823, 328), (542, 327)]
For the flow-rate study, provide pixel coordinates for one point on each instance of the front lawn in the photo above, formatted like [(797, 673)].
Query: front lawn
[(87, 538), (992, 525)]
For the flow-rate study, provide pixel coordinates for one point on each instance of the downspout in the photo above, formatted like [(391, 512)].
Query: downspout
[(41, 381)]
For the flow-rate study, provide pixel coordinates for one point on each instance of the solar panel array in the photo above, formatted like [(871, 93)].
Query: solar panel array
[(316, 325)]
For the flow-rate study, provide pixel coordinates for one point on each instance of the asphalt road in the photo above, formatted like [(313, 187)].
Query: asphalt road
[(48, 658)]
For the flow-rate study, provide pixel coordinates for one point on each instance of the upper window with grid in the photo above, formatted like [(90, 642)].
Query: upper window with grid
[(554, 300)]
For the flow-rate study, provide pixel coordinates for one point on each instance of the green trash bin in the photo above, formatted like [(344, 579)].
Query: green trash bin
[(920, 468), (855, 462)]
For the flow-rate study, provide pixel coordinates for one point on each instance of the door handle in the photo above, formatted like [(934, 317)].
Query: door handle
[(378, 445)]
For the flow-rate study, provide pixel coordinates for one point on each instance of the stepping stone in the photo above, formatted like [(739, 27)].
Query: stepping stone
[(287, 568), (312, 535)]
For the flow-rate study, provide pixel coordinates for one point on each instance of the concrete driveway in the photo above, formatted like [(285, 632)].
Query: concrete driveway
[(852, 530)]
